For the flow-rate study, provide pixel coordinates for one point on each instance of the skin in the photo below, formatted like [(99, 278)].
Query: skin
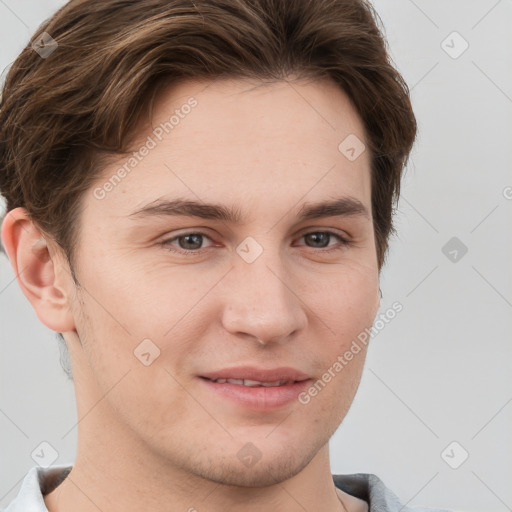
[(150, 436)]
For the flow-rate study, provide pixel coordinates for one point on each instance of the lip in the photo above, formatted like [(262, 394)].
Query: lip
[(259, 374), (258, 398)]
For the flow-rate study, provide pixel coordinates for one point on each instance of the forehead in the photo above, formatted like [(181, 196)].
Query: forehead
[(230, 140)]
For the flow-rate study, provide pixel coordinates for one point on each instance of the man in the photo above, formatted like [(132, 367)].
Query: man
[(199, 199)]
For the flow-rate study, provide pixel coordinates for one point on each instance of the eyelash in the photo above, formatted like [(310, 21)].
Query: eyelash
[(167, 243)]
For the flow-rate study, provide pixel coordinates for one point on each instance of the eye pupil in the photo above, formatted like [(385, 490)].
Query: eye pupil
[(319, 237), (196, 245)]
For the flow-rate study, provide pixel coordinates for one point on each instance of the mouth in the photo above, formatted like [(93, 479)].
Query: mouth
[(256, 389), (252, 383)]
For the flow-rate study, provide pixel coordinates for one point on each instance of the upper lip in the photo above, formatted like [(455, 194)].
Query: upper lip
[(258, 374)]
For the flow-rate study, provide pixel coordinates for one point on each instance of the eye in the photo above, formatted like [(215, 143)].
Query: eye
[(188, 243), (321, 239), (191, 243)]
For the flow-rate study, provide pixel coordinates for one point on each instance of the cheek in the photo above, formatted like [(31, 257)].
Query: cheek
[(131, 373), (149, 298), (346, 299), (344, 310)]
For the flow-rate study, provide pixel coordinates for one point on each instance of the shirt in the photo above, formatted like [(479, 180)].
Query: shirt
[(368, 487)]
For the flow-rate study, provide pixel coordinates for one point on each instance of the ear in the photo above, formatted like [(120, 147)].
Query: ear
[(41, 270)]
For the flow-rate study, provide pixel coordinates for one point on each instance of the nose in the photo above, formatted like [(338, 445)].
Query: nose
[(260, 302)]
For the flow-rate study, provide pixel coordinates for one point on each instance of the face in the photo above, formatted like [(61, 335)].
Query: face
[(211, 257)]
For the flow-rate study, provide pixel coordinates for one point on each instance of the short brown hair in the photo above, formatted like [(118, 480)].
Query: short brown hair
[(61, 115)]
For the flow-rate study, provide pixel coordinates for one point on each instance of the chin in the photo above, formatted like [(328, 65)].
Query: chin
[(261, 475), (271, 469)]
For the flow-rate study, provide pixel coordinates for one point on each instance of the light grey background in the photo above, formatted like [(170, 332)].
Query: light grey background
[(441, 370)]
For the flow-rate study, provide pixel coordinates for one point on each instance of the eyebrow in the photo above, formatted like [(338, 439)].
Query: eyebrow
[(341, 207)]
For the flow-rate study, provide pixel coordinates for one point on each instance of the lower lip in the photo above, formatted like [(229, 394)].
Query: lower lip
[(258, 397)]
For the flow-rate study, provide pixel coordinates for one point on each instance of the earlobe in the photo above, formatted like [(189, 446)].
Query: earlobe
[(42, 278)]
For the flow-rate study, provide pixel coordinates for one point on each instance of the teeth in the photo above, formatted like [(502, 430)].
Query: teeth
[(248, 382), (253, 383), (278, 383)]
